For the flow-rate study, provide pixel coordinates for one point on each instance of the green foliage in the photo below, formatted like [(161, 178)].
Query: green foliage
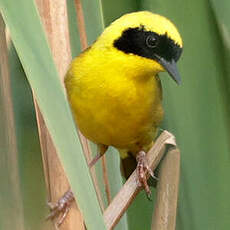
[(28, 146), (38, 64), (197, 112)]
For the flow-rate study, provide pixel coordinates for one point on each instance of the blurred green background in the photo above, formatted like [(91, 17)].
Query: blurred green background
[(197, 112)]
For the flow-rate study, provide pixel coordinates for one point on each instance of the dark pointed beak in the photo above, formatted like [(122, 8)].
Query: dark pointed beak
[(171, 69)]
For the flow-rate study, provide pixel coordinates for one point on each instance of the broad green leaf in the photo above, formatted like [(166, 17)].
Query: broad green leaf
[(221, 12), (196, 113), (10, 192), (32, 48), (29, 153), (21, 165)]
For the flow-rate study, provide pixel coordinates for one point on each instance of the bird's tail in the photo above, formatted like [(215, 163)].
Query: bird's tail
[(128, 165)]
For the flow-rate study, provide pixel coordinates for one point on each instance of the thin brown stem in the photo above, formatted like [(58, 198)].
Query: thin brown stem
[(94, 178), (106, 179), (81, 24), (164, 216)]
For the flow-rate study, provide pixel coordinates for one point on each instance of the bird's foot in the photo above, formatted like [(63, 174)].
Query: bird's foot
[(142, 170), (61, 208)]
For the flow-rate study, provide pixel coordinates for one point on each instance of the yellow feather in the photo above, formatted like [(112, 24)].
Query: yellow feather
[(116, 97)]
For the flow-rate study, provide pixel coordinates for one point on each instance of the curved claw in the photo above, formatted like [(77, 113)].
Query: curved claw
[(142, 170), (60, 208)]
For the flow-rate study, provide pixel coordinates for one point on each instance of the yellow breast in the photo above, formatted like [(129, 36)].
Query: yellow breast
[(115, 100)]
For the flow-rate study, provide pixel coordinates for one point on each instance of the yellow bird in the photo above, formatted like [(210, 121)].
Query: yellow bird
[(114, 89), (115, 92)]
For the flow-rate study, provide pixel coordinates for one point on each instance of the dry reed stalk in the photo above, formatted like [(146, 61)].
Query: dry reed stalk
[(165, 209), (106, 179), (81, 24)]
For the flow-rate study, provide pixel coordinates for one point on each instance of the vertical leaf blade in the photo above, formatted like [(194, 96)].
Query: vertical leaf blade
[(196, 113), (22, 20)]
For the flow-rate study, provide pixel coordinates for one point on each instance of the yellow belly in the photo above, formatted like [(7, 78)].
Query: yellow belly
[(112, 107)]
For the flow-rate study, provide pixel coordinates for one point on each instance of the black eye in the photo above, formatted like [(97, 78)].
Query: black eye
[(151, 41)]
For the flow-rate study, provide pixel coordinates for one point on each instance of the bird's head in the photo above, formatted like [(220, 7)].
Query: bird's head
[(149, 36)]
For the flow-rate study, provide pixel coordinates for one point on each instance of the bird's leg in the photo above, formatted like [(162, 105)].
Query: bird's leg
[(61, 208), (63, 216), (142, 170), (101, 152)]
